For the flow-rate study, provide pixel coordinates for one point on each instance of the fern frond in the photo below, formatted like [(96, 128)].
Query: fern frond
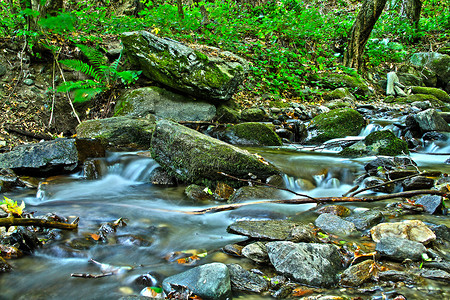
[(78, 65), (82, 95), (69, 86), (96, 58)]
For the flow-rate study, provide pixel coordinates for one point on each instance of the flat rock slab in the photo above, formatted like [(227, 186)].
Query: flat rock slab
[(307, 263), (400, 249), (270, 230), (414, 230)]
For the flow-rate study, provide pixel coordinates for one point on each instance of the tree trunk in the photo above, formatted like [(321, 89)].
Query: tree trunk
[(411, 10), (360, 32), (180, 9)]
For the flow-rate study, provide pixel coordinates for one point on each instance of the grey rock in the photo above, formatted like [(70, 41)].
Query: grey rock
[(427, 120), (334, 224), (307, 263), (50, 157), (210, 281), (205, 72), (435, 274), (194, 157), (164, 104), (396, 276), (160, 177), (436, 62), (431, 203), (124, 131), (256, 252), (366, 219), (269, 230), (400, 249), (383, 187), (243, 280), (389, 163)]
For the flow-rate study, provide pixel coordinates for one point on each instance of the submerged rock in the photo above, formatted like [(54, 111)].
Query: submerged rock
[(123, 131), (204, 72), (164, 104), (337, 123), (196, 158), (243, 280), (307, 263), (413, 230), (50, 157), (400, 249), (210, 281), (254, 193), (382, 142)]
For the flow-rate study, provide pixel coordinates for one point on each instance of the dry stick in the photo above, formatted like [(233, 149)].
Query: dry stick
[(317, 200), (67, 94), (383, 184), (53, 86), (87, 275), (27, 133), (266, 184), (11, 221)]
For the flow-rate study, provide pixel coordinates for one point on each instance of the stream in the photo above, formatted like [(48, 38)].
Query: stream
[(156, 227)]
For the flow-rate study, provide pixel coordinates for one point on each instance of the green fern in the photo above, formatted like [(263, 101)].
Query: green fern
[(105, 77)]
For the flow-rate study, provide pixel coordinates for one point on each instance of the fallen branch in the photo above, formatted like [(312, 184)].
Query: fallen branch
[(227, 207), (11, 221), (36, 136), (87, 275)]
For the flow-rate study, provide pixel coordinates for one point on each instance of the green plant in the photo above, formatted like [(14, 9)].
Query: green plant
[(11, 207), (104, 77)]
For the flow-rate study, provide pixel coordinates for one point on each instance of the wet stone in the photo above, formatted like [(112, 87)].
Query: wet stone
[(270, 230), (256, 252), (233, 249), (303, 233), (198, 193), (396, 276), (307, 263), (400, 249), (379, 184), (413, 230), (357, 274), (334, 224), (337, 210), (243, 280), (4, 266), (431, 203), (366, 219), (418, 183), (436, 274)]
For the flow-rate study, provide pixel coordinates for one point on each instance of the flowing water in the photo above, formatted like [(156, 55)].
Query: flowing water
[(156, 224)]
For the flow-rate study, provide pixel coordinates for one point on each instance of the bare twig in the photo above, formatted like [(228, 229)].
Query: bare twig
[(87, 275), (11, 221), (266, 184), (67, 94)]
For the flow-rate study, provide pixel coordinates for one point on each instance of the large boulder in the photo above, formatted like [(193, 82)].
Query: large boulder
[(210, 281), (50, 157), (438, 93), (436, 62), (337, 123), (163, 103), (197, 158), (383, 142), (123, 131), (204, 72)]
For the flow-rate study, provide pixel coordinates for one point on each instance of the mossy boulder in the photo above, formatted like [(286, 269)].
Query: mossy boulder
[(435, 102), (438, 93), (436, 62), (337, 123), (339, 93), (204, 72), (117, 132), (227, 114), (336, 80), (197, 158), (382, 142), (254, 115), (248, 134)]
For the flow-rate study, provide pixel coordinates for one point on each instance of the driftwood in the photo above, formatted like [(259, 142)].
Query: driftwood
[(406, 194), (11, 221)]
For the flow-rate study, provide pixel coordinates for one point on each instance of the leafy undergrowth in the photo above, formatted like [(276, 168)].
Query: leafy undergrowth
[(285, 41)]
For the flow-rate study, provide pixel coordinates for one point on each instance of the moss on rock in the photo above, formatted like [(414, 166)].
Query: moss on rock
[(337, 80), (438, 93), (256, 134), (337, 123), (382, 142)]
